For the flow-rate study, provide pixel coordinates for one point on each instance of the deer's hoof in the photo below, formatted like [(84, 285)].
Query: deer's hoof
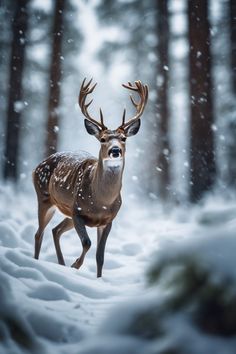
[(75, 265)]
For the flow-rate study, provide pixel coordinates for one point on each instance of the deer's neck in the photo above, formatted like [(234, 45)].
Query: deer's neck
[(108, 180)]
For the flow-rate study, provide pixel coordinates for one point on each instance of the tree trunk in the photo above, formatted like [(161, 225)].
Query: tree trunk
[(202, 153), (232, 5), (19, 29), (55, 77), (232, 124), (162, 99)]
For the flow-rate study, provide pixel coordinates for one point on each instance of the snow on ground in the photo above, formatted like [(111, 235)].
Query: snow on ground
[(48, 308)]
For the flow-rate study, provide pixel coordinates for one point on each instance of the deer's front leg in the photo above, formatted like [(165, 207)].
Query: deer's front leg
[(102, 234), (85, 240)]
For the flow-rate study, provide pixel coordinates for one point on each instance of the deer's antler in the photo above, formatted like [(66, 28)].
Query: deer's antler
[(85, 90), (142, 91)]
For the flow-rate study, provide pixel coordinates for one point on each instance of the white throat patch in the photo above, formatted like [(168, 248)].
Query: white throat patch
[(113, 163)]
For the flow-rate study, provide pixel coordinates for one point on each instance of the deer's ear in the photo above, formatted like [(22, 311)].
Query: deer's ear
[(92, 128), (133, 128)]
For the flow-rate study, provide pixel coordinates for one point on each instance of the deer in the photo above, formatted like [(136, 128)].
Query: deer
[(86, 189)]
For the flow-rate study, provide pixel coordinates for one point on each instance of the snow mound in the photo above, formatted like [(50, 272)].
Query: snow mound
[(8, 236)]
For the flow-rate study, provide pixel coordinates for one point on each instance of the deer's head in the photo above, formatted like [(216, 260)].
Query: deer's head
[(113, 141)]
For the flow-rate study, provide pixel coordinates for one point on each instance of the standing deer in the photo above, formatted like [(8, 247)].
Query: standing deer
[(86, 189)]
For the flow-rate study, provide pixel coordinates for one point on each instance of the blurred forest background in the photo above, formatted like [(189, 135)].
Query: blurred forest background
[(185, 50)]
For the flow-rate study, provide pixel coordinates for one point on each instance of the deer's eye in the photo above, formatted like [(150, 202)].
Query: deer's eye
[(102, 140), (123, 139)]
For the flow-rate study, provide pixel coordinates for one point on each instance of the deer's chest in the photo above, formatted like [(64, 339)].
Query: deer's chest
[(98, 215)]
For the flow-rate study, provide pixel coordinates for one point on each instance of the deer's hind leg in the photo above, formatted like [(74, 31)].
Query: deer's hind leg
[(64, 226), (45, 214)]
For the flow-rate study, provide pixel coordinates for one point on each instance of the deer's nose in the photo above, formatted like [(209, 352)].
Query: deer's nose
[(115, 151)]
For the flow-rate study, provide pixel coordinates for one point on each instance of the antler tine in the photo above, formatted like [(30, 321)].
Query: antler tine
[(85, 90), (142, 90), (123, 118), (130, 86), (101, 116)]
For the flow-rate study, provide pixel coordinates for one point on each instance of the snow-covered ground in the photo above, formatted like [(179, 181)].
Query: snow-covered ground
[(48, 308)]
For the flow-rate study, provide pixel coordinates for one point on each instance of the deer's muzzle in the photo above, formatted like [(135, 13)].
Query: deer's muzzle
[(115, 152)]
